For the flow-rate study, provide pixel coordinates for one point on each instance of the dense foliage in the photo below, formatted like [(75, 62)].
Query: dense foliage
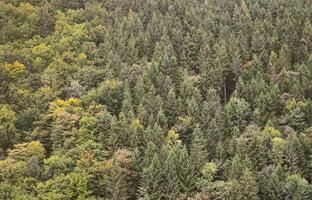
[(155, 99)]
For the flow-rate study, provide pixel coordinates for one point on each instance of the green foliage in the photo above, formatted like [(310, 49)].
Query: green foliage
[(158, 99), (248, 188), (56, 165), (8, 133), (152, 178), (271, 182), (71, 186), (25, 151), (208, 172), (198, 148), (237, 113), (297, 188)]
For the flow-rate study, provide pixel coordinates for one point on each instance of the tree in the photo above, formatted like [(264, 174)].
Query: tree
[(278, 150), (56, 165), (254, 145), (71, 186), (127, 104), (198, 150), (109, 93), (117, 183), (171, 185), (151, 180), (248, 186), (208, 172), (237, 114), (297, 188), (271, 182), (26, 151), (186, 170), (8, 132)]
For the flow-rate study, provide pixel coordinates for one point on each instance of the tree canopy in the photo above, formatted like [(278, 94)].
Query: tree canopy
[(156, 99)]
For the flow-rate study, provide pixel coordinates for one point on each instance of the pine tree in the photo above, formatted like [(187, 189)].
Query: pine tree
[(149, 154), (117, 184), (152, 180), (291, 157), (235, 167), (198, 150), (171, 107), (127, 105), (186, 170), (271, 182), (297, 188), (248, 186), (171, 186), (237, 112)]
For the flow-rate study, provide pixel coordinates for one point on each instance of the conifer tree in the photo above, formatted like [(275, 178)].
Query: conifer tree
[(186, 170), (271, 182), (198, 150), (171, 186), (117, 183), (248, 186), (7, 127), (152, 180)]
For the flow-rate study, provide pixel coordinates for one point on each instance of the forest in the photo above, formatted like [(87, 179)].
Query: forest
[(155, 100)]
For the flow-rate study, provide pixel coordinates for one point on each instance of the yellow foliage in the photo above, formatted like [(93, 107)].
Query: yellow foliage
[(194, 79), (64, 103), (41, 48), (271, 131), (73, 101), (82, 56), (278, 142), (293, 104), (94, 109), (28, 8), (63, 108), (61, 22), (60, 102), (103, 165), (59, 110), (114, 83), (209, 168), (173, 137), (302, 104), (185, 120), (24, 92), (86, 161), (10, 168), (135, 124), (16, 69), (26, 150), (37, 61)]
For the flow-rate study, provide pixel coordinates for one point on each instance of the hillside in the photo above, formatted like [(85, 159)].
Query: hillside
[(155, 100)]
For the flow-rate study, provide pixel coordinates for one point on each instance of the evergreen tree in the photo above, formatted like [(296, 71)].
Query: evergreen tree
[(271, 182), (7, 127), (186, 170), (198, 150), (152, 180), (248, 186), (117, 183), (171, 186)]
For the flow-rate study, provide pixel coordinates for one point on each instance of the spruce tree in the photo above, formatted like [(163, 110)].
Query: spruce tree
[(152, 180), (198, 150), (170, 186), (117, 183), (248, 186)]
